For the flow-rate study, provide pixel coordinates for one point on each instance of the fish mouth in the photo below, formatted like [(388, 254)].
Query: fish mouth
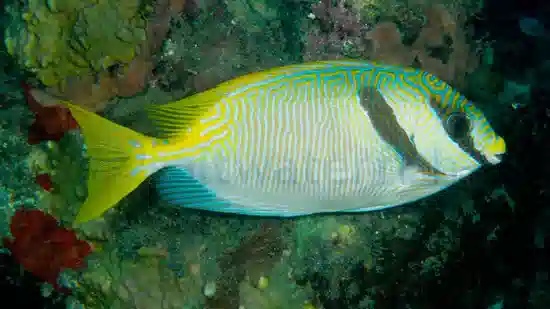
[(495, 159), (494, 152)]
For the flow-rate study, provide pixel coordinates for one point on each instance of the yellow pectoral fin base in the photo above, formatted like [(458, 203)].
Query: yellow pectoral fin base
[(112, 151)]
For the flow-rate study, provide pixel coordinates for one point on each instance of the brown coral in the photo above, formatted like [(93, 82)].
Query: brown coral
[(135, 77), (387, 46), (441, 47), (445, 32)]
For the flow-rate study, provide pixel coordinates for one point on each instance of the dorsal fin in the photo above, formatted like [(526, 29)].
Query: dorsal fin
[(173, 119)]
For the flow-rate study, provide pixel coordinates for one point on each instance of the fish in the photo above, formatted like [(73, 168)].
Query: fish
[(532, 26), (317, 137)]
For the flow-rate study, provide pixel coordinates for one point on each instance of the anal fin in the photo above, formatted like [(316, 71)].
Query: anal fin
[(177, 187)]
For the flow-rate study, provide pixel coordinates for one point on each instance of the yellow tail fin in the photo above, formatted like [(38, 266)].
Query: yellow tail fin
[(112, 150)]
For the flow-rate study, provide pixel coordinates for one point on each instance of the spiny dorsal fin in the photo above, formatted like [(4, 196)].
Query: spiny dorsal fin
[(173, 119)]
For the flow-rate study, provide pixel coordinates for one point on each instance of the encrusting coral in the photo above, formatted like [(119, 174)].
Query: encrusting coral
[(47, 37), (63, 39), (89, 51)]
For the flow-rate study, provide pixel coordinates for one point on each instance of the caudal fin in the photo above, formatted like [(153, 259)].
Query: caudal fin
[(112, 150)]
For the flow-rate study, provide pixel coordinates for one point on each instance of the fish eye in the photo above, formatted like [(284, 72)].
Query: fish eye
[(457, 125)]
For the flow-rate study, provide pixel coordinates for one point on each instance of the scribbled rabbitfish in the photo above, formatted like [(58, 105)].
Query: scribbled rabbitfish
[(332, 136)]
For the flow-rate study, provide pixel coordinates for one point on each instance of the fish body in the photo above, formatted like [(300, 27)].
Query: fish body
[(317, 137)]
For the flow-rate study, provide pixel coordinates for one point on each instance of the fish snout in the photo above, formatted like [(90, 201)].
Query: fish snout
[(495, 158), (495, 151)]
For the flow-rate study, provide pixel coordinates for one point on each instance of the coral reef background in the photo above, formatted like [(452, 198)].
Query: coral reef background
[(480, 244)]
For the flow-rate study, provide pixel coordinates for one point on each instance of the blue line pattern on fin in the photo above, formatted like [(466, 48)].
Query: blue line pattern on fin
[(369, 209), (178, 187)]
